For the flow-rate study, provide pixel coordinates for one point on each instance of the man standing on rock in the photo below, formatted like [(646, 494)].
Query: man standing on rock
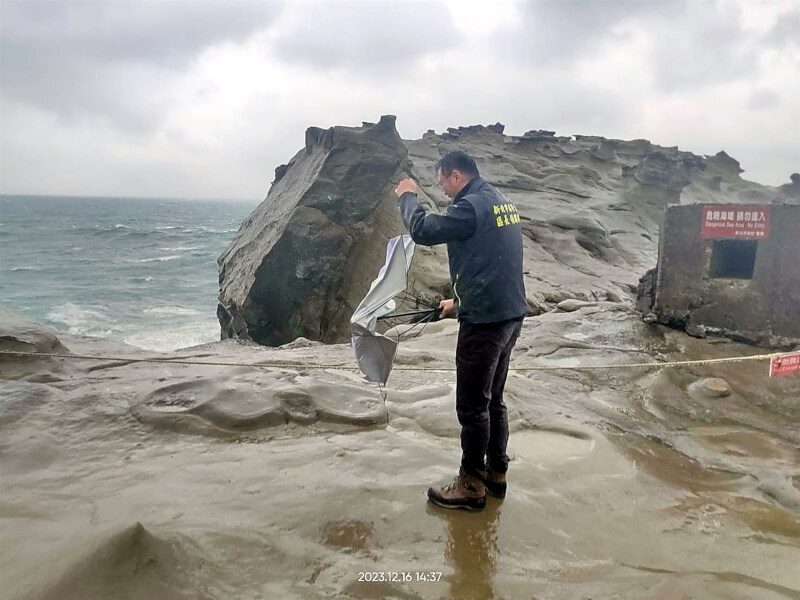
[(484, 246)]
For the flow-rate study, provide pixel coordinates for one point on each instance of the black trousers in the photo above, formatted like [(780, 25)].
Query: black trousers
[(482, 357)]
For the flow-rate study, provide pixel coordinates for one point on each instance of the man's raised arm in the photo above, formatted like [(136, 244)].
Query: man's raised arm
[(458, 222)]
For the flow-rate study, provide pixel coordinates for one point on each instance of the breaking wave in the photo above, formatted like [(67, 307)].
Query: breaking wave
[(80, 320), (171, 310), (156, 259), (17, 269)]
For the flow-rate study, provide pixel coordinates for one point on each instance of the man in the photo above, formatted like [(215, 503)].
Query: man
[(484, 246)]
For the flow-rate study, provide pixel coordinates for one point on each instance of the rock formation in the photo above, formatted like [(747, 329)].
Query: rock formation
[(306, 255), (591, 209)]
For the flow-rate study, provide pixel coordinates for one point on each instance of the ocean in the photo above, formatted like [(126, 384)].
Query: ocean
[(139, 271)]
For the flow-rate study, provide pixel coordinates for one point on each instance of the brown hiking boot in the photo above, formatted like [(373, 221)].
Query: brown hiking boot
[(495, 483), (467, 492)]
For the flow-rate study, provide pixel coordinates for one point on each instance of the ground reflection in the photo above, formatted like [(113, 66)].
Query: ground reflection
[(471, 549)]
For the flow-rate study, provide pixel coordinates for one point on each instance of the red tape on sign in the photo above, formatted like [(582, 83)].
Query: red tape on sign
[(785, 364)]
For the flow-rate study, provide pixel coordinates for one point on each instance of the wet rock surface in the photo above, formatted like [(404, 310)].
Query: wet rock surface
[(143, 480), (246, 402)]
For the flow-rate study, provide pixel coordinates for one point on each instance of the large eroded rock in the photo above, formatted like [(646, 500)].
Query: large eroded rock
[(303, 260)]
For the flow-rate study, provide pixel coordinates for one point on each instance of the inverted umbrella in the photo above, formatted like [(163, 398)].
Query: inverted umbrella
[(374, 351)]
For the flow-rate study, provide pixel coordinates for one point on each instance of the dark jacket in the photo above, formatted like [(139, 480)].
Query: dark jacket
[(484, 246)]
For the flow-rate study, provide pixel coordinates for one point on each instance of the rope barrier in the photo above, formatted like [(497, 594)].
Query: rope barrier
[(344, 367)]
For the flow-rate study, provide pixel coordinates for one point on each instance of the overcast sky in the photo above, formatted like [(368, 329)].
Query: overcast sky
[(190, 98)]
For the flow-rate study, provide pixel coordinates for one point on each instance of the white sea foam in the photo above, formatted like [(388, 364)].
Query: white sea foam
[(120, 226), (156, 259), (174, 338), (181, 248), (82, 320), (15, 269), (205, 229), (171, 310)]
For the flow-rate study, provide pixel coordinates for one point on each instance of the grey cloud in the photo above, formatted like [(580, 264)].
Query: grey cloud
[(93, 57), (786, 31), (763, 99), (168, 33), (556, 31), (366, 36), (692, 43), (706, 46)]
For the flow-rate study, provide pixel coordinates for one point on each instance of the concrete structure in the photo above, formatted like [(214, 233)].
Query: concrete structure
[(732, 270)]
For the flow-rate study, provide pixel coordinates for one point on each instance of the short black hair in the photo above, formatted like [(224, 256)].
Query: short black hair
[(457, 161)]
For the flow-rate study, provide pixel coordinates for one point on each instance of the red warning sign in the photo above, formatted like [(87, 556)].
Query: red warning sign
[(735, 221), (784, 364)]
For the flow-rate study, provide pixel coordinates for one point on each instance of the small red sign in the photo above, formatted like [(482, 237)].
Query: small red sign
[(735, 221), (784, 364)]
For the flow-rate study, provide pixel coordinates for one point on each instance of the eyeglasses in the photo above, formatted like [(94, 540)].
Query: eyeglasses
[(440, 181)]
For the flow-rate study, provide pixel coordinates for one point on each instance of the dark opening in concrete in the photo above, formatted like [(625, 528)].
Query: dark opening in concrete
[(733, 258)]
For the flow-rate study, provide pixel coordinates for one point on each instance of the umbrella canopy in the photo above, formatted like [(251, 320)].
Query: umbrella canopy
[(375, 352)]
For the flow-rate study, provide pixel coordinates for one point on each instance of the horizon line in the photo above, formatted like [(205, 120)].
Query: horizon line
[(115, 197)]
